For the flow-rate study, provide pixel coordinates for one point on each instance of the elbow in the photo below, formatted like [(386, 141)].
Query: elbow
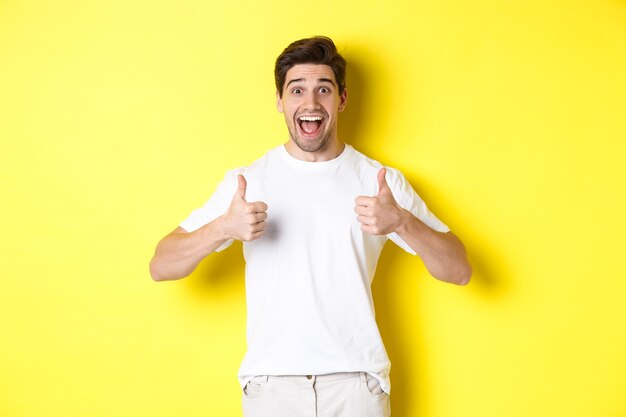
[(155, 273), (464, 276), (159, 272), (460, 275), (456, 269)]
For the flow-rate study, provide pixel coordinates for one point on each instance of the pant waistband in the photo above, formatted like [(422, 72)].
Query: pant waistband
[(309, 379)]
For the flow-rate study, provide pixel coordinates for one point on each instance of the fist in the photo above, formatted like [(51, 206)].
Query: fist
[(244, 221), (379, 214)]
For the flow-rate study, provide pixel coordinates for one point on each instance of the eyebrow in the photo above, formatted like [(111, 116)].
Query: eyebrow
[(321, 80)]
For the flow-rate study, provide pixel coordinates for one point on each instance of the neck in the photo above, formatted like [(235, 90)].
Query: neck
[(330, 151)]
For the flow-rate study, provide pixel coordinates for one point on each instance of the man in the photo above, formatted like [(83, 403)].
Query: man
[(314, 215)]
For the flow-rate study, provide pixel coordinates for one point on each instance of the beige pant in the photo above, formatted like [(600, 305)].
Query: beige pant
[(346, 394)]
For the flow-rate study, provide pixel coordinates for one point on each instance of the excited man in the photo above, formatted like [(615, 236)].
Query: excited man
[(314, 215)]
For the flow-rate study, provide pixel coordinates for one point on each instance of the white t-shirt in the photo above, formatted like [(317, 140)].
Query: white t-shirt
[(308, 278)]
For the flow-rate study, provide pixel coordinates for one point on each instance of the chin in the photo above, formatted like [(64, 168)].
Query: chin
[(311, 145)]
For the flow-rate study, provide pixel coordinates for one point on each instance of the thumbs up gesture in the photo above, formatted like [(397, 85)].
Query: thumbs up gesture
[(380, 214), (244, 221)]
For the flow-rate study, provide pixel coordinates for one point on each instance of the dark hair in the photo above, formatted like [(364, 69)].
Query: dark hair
[(316, 50)]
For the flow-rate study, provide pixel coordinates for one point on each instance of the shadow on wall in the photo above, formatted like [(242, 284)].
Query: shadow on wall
[(408, 389), (488, 281), (355, 120), (220, 274), (354, 124), (360, 114)]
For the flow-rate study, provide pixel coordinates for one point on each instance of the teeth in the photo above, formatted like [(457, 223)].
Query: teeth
[(310, 118)]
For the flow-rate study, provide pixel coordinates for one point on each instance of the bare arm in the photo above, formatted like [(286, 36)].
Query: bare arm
[(179, 253), (443, 253)]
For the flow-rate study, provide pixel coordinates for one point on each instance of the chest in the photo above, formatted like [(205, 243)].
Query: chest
[(310, 204)]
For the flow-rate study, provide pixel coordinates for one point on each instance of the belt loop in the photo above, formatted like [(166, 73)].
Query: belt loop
[(363, 377), (261, 378)]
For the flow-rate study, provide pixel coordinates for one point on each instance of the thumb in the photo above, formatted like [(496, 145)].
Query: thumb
[(241, 187), (383, 188)]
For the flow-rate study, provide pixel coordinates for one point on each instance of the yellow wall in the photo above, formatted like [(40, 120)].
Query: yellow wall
[(118, 118)]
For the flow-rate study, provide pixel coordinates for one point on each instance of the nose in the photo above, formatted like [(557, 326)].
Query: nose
[(310, 101)]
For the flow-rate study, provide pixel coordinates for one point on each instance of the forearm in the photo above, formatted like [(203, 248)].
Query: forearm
[(443, 253), (178, 254)]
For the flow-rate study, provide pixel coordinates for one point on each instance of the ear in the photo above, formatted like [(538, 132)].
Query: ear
[(343, 99), (279, 103)]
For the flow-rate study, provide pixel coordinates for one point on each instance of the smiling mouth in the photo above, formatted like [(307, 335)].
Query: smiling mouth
[(310, 125)]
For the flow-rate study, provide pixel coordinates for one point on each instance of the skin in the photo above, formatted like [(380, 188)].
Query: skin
[(312, 90), (178, 254), (443, 253)]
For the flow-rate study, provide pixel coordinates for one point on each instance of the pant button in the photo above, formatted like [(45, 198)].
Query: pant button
[(309, 377)]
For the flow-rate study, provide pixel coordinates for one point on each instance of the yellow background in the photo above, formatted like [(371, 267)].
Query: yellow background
[(117, 118)]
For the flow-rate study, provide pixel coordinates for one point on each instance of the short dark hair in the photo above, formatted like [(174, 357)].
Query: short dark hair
[(316, 50)]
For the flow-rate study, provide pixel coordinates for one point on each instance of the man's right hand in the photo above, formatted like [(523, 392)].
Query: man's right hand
[(244, 221)]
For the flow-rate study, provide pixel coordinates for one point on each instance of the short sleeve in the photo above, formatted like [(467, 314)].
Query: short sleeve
[(215, 207), (408, 199)]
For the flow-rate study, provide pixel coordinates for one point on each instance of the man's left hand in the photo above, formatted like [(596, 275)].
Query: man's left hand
[(380, 214)]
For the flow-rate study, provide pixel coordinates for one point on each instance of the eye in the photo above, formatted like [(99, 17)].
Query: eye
[(324, 90), (296, 91)]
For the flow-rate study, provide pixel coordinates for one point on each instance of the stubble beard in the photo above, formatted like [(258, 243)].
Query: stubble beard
[(308, 145)]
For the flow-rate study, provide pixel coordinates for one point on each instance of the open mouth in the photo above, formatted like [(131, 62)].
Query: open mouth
[(310, 126)]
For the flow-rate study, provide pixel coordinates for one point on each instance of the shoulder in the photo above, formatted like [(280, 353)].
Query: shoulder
[(259, 166), (361, 160), (370, 166), (254, 168)]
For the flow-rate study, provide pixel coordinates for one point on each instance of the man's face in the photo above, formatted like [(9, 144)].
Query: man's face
[(311, 103)]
